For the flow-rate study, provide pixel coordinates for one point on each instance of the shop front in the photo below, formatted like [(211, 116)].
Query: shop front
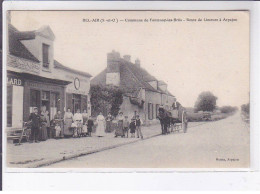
[(40, 91), (77, 94)]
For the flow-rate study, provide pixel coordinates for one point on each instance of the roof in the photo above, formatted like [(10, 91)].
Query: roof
[(16, 47), (132, 78), (63, 67), (161, 82)]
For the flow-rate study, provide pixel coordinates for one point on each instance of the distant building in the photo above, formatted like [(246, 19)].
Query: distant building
[(143, 93), (35, 79)]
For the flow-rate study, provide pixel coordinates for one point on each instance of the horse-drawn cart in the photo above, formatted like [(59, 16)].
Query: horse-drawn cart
[(179, 121), (174, 120)]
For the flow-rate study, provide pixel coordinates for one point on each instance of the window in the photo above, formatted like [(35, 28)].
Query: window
[(150, 111), (45, 55), (45, 99), (76, 102), (9, 105)]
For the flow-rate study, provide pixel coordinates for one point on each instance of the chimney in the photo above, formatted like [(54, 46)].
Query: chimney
[(127, 58), (137, 63), (113, 59)]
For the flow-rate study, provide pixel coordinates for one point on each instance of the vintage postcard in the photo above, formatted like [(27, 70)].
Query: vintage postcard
[(127, 89)]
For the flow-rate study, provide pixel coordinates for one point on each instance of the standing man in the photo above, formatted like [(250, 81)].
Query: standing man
[(35, 119), (138, 123), (175, 104)]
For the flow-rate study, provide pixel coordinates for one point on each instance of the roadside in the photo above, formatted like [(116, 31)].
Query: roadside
[(51, 151)]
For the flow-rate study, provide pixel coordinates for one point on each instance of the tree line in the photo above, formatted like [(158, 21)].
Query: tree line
[(207, 101)]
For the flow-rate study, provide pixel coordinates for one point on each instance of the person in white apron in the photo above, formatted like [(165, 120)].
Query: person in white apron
[(100, 131)]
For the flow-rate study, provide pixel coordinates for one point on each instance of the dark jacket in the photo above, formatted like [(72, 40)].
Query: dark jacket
[(35, 118), (90, 123), (138, 122), (132, 125), (176, 105)]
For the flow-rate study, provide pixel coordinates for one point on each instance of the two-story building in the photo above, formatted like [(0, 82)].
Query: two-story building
[(143, 93), (35, 79)]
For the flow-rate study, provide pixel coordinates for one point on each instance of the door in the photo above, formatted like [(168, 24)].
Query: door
[(35, 100), (54, 104)]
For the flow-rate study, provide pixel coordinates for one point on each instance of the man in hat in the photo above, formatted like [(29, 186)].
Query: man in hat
[(175, 104), (35, 119), (138, 123)]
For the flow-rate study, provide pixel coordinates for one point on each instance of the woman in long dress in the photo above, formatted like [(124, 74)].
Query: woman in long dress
[(48, 124), (100, 131), (68, 117), (43, 130), (109, 123), (58, 118), (120, 126), (85, 121)]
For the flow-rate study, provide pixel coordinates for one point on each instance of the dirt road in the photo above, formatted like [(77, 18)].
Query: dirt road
[(219, 144)]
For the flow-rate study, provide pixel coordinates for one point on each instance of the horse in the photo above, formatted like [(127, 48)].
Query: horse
[(165, 120)]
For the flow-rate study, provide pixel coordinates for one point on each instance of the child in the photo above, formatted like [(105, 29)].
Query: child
[(126, 126), (132, 128), (138, 123), (90, 125)]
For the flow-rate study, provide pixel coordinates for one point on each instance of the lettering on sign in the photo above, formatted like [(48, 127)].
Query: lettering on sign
[(43, 86), (15, 81), (76, 91)]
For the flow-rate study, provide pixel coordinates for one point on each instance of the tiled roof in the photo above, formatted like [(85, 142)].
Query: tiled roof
[(132, 78), (63, 67), (16, 47)]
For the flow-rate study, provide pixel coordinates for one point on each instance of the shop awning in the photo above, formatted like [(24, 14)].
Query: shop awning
[(40, 78)]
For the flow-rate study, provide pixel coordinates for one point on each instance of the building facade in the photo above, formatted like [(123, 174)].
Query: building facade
[(142, 92), (34, 79), (77, 92)]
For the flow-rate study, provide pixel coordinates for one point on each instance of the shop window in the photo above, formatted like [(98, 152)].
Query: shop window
[(76, 102), (45, 55), (9, 105), (84, 102), (45, 98), (150, 111)]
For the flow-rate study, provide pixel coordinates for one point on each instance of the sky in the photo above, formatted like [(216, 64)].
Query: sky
[(190, 56)]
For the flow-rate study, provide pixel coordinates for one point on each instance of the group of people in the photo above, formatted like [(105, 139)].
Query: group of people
[(65, 125), (122, 127), (43, 128)]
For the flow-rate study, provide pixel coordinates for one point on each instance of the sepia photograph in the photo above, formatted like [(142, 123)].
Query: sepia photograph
[(127, 89)]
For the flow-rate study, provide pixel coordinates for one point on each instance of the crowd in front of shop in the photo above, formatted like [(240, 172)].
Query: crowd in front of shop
[(80, 125)]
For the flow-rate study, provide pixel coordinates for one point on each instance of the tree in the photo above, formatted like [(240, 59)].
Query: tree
[(206, 102), (246, 108), (105, 99)]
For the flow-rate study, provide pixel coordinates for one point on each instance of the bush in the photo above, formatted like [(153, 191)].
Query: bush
[(228, 109), (194, 117), (105, 99), (246, 108)]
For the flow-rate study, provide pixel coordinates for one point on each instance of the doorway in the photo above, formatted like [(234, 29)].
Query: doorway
[(76, 103)]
